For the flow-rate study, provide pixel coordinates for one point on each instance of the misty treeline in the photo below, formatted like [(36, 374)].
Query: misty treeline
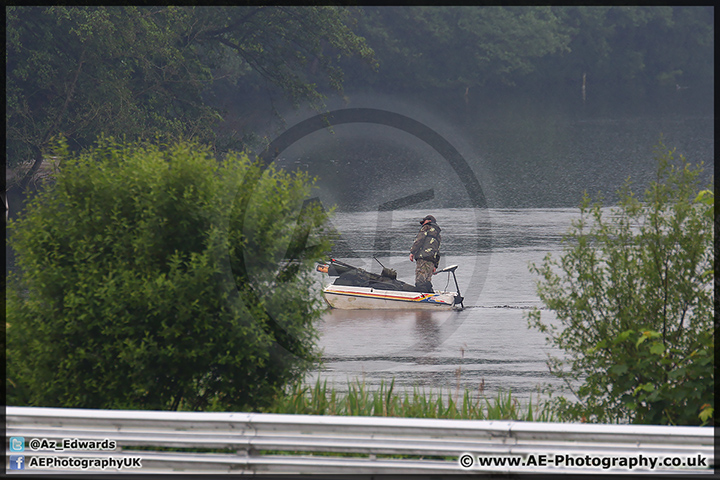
[(168, 72)]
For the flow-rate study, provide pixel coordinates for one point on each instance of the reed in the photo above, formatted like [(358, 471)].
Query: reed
[(385, 401)]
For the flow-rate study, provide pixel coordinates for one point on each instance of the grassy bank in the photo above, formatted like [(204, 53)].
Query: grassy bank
[(384, 401)]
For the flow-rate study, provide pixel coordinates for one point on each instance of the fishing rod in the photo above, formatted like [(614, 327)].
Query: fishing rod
[(375, 258)]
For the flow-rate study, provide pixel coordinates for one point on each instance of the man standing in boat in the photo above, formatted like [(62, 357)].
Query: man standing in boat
[(425, 252)]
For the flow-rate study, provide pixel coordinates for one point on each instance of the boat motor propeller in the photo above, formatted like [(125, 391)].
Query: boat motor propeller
[(458, 299)]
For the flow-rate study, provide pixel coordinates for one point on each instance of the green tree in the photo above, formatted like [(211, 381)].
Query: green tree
[(634, 303), (627, 50), (459, 47), (158, 278), (146, 72), (81, 71), (632, 49), (294, 48)]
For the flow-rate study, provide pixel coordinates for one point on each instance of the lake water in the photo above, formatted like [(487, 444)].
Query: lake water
[(529, 160), (487, 344)]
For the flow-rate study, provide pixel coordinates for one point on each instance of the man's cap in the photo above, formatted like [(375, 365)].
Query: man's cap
[(428, 217)]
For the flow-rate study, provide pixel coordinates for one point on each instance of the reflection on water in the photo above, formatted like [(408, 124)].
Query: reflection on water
[(385, 334), (492, 347)]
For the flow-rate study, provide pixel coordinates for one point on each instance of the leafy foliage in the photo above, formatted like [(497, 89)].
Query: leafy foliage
[(80, 71), (634, 49), (187, 72), (145, 72), (625, 49), (296, 48), (454, 47), (127, 297), (633, 295)]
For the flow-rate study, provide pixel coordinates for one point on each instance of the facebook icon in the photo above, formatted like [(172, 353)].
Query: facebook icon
[(17, 462)]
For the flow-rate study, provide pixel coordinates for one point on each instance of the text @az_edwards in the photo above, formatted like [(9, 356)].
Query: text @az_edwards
[(72, 444)]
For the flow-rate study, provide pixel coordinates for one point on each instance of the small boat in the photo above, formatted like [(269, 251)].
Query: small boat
[(357, 289)]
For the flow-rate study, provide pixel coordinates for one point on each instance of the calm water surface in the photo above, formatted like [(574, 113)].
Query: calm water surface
[(533, 160), (488, 345)]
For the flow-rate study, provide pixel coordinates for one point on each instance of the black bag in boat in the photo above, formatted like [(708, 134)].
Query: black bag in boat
[(358, 277)]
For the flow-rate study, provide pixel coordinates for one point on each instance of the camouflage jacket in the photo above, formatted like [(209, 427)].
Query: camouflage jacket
[(427, 243)]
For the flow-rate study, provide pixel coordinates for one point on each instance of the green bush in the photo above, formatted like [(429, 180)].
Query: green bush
[(159, 278), (633, 294)]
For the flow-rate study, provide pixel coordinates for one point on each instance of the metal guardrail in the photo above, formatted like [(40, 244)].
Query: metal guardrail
[(271, 443)]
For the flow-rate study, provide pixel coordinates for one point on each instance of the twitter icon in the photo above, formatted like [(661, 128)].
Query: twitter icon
[(17, 444)]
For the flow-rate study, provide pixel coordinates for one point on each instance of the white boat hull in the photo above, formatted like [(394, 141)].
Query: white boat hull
[(366, 298)]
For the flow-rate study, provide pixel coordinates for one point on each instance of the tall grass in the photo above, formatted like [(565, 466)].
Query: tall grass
[(386, 402)]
